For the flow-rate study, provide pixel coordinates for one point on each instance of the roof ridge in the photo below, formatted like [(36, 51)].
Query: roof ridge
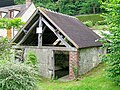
[(58, 13)]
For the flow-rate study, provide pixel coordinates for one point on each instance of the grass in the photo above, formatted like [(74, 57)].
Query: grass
[(94, 80), (100, 27), (90, 17), (94, 18)]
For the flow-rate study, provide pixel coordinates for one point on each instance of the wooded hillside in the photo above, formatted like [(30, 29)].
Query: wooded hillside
[(71, 7)]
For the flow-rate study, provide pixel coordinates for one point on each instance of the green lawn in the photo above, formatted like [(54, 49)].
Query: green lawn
[(94, 80), (90, 17), (100, 27)]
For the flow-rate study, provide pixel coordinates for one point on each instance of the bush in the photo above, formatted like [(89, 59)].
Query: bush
[(5, 49), (88, 23), (112, 41), (17, 76), (31, 59), (101, 23)]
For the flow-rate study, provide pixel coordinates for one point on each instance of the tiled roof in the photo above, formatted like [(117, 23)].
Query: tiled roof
[(4, 3), (73, 28)]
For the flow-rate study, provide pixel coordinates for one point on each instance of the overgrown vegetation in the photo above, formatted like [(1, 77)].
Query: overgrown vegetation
[(88, 23), (17, 76), (31, 59), (112, 41), (5, 49)]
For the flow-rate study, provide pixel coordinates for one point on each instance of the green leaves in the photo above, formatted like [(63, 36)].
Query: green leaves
[(17, 76), (6, 23), (112, 40), (71, 7), (5, 49), (31, 59)]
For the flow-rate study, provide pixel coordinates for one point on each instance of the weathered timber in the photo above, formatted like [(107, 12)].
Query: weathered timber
[(57, 34), (28, 32), (46, 47), (27, 23), (40, 34), (59, 29)]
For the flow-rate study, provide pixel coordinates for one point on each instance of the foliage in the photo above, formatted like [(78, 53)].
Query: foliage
[(112, 40), (91, 17), (6, 23), (75, 70), (101, 23), (17, 76), (5, 49), (71, 7), (31, 59), (88, 23), (90, 6)]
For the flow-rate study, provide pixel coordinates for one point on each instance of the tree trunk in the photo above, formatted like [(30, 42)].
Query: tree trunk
[(94, 11)]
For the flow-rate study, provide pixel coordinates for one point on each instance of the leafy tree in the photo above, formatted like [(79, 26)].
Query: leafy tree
[(71, 7), (90, 6), (6, 23), (112, 40)]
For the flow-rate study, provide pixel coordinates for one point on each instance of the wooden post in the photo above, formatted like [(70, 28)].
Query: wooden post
[(53, 65), (40, 34), (0, 14)]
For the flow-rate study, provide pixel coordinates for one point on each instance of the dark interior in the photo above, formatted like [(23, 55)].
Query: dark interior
[(61, 64)]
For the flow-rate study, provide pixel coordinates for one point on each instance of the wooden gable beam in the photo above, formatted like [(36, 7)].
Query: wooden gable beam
[(47, 47), (25, 25), (28, 33), (39, 34), (57, 34)]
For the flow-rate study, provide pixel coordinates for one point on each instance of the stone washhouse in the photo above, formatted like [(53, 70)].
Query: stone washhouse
[(62, 44)]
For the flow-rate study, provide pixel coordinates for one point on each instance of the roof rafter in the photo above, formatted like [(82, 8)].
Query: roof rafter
[(25, 25), (59, 29), (57, 34), (28, 32)]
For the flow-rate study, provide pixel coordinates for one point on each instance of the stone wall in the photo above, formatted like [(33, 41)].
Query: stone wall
[(89, 58), (82, 61), (45, 61)]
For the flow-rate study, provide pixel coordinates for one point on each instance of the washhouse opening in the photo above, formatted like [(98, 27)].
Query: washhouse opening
[(61, 63)]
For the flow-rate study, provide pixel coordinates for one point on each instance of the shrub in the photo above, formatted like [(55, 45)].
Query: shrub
[(112, 41), (101, 22), (88, 23), (17, 76), (5, 49), (31, 58)]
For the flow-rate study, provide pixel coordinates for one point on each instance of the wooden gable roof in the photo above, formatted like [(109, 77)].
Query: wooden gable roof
[(80, 35), (77, 33)]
